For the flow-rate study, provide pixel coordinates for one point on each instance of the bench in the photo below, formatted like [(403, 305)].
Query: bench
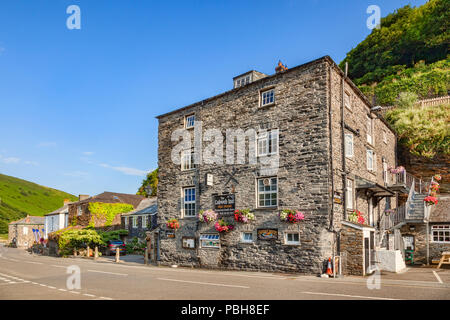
[(445, 259)]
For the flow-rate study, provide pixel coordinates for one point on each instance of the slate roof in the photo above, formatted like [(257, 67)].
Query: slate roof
[(114, 197), (30, 220), (63, 209), (441, 211), (147, 206)]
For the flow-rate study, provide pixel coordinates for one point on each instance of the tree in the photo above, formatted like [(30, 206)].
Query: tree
[(152, 182)]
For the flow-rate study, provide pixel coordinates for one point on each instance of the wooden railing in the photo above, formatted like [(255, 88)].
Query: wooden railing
[(424, 103)]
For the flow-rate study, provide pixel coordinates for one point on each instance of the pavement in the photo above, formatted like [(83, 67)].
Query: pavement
[(27, 276)]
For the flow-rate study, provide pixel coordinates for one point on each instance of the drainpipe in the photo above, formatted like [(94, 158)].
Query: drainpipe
[(344, 168), (428, 243), (330, 128)]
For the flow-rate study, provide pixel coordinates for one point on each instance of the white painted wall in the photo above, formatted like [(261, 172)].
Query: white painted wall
[(391, 260)]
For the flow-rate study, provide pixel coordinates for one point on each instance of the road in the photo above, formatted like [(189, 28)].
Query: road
[(26, 276)]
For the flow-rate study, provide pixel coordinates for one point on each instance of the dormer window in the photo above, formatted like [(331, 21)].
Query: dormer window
[(189, 121), (242, 81)]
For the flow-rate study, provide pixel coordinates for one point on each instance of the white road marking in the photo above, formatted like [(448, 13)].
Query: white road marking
[(51, 287), (32, 262), (54, 265), (88, 295), (347, 295), (62, 290), (117, 274), (106, 298), (437, 277), (76, 292), (205, 283)]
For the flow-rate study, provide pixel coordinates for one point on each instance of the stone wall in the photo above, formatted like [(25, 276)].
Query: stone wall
[(352, 243), (22, 240)]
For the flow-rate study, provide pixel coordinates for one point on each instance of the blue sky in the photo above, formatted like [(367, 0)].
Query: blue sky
[(78, 107)]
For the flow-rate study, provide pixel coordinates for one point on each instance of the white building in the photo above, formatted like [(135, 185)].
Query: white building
[(56, 220)]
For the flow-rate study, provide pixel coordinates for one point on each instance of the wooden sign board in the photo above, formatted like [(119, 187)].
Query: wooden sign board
[(224, 204)]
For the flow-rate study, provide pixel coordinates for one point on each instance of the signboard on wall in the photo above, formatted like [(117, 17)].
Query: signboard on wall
[(188, 242), (267, 234), (224, 204)]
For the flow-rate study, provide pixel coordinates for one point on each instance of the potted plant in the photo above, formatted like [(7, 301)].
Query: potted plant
[(173, 224), (207, 216), (437, 177), (356, 216), (430, 200), (243, 216), (223, 226), (292, 216)]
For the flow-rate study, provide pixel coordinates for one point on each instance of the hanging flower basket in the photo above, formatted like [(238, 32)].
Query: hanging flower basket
[(389, 211), (356, 216), (437, 177), (291, 216), (207, 216), (244, 216), (223, 226), (399, 169), (173, 224), (434, 186), (430, 200)]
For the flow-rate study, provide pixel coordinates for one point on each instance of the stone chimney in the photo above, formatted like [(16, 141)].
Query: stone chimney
[(82, 197), (281, 67)]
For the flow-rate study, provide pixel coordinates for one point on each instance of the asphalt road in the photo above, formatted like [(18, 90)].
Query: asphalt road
[(26, 276)]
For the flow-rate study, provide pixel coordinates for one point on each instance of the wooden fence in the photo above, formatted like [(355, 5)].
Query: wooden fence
[(425, 103)]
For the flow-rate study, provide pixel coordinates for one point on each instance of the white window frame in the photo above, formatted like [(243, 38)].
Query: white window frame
[(243, 239), (291, 242), (134, 222), (444, 228), (187, 160), (144, 221), (266, 192), (267, 97), (369, 128), (347, 100), (242, 81), (349, 149), (349, 195), (126, 222), (189, 203), (79, 211), (187, 121), (268, 143), (370, 160), (25, 231)]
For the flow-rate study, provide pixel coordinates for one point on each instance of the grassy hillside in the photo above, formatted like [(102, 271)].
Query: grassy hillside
[(408, 53), (19, 198)]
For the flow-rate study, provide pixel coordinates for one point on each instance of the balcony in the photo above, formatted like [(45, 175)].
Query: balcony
[(403, 181)]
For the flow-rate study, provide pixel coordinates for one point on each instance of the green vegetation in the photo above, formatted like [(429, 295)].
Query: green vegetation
[(112, 235), (3, 236), (135, 246), (425, 131), (151, 181), (107, 211), (408, 53), (19, 198)]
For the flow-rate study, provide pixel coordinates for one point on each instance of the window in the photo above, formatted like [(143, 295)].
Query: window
[(247, 237), (25, 230), (125, 220), (349, 194), (267, 192), (347, 102), (369, 130), (189, 202), (187, 160), (267, 97), (210, 241), (189, 121), (144, 221), (385, 137), (371, 163), (268, 143), (441, 233), (240, 82), (292, 238), (134, 220), (80, 211), (349, 145)]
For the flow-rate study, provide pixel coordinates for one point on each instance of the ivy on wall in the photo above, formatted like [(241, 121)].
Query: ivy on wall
[(107, 211)]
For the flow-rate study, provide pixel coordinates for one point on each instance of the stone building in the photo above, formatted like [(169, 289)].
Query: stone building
[(57, 219), (25, 232), (80, 215), (142, 219), (313, 143)]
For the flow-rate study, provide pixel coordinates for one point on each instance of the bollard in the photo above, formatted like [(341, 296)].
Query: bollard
[(117, 254), (88, 251), (96, 253), (146, 256), (74, 252)]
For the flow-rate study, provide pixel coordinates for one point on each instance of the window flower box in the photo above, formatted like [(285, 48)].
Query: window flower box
[(291, 216), (173, 224), (223, 226), (356, 216), (207, 216), (244, 216)]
